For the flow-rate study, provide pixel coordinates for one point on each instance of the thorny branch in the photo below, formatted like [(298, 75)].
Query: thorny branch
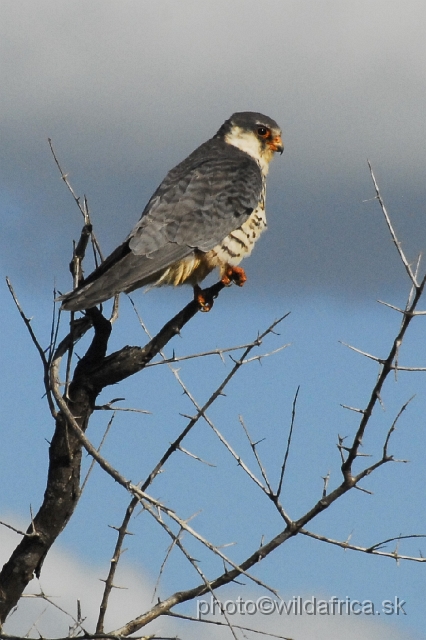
[(224, 624), (373, 549), (395, 240), (44, 360), (201, 412), (94, 372), (290, 435), (87, 230), (387, 364), (176, 541)]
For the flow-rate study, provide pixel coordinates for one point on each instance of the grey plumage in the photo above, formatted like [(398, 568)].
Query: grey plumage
[(212, 193)]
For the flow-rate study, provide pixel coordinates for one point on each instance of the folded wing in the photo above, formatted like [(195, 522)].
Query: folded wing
[(201, 201)]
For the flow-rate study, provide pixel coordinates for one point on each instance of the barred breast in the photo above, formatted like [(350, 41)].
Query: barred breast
[(236, 246), (240, 242)]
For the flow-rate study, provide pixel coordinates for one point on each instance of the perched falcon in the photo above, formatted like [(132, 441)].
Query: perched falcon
[(208, 212)]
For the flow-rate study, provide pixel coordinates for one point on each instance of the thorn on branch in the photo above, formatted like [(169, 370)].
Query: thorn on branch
[(326, 480), (370, 493), (345, 406)]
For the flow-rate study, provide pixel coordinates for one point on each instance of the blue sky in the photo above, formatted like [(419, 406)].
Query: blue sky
[(126, 90)]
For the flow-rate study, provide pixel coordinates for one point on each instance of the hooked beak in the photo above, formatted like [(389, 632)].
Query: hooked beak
[(277, 144)]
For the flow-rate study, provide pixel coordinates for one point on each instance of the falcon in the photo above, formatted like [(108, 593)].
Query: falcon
[(208, 212)]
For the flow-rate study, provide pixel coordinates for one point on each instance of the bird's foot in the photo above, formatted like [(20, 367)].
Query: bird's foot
[(204, 298), (234, 274)]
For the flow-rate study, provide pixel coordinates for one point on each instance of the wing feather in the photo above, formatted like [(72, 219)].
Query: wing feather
[(200, 201)]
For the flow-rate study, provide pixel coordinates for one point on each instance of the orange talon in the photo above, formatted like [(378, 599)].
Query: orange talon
[(204, 300), (234, 274)]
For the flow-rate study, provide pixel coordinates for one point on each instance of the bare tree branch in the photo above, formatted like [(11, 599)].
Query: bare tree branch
[(372, 550), (73, 408), (223, 624), (396, 242), (27, 322), (287, 451)]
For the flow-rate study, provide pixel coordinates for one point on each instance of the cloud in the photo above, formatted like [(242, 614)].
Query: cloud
[(66, 579), (128, 89)]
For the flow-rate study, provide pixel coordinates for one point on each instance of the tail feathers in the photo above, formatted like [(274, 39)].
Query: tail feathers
[(84, 298), (121, 271), (122, 276), (96, 288)]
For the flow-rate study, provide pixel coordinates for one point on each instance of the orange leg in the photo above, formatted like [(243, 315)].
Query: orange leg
[(234, 274)]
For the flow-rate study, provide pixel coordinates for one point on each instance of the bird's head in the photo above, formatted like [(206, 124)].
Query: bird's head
[(255, 134)]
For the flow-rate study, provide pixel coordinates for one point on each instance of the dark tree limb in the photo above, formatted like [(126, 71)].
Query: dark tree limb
[(93, 372), (130, 360)]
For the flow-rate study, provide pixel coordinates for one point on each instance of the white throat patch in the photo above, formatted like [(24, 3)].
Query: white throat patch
[(248, 142)]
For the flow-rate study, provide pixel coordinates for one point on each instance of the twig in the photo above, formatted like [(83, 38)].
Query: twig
[(43, 596), (375, 395), (92, 464), (326, 480), (27, 322), (109, 582), (363, 353), (372, 550), (287, 451), (393, 427), (213, 352), (87, 230), (176, 541), (64, 177), (163, 565), (108, 407), (192, 455), (223, 624), (201, 411), (256, 455), (18, 531), (396, 242), (260, 357)]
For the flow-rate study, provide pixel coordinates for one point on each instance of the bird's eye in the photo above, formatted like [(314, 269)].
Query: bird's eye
[(262, 132)]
